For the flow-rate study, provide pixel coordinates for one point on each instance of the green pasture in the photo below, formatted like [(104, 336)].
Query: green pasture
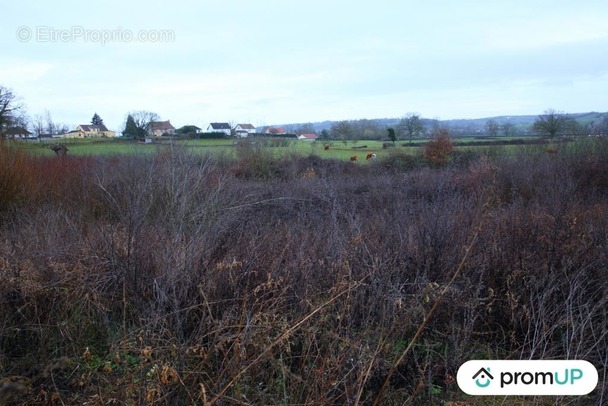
[(339, 150), (226, 147), (86, 147)]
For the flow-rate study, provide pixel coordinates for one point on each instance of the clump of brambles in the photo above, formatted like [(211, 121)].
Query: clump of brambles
[(188, 279)]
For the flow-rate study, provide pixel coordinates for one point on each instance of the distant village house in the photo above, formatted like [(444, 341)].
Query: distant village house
[(243, 130), (17, 132), (89, 131), (219, 128), (275, 130), (307, 137), (160, 128)]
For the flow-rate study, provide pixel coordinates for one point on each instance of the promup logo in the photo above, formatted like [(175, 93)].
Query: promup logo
[(485, 376), (565, 377)]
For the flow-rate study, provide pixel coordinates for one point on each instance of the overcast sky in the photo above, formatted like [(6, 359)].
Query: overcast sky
[(276, 62)]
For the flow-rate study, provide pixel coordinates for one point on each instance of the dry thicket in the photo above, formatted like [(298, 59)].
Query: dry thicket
[(188, 279)]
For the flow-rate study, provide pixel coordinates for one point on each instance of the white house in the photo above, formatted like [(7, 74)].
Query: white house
[(219, 128), (243, 130), (307, 137)]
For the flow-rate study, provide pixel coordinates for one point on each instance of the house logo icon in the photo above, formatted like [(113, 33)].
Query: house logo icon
[(484, 375)]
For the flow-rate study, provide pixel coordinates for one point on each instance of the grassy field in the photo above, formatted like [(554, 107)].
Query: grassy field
[(86, 147), (107, 147), (227, 147)]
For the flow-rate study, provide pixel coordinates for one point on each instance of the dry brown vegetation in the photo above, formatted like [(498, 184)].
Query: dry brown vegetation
[(438, 151), (185, 279)]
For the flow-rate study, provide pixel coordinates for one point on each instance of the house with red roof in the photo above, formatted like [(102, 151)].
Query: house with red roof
[(275, 130), (308, 137)]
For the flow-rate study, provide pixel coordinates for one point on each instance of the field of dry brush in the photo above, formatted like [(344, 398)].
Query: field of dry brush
[(187, 279)]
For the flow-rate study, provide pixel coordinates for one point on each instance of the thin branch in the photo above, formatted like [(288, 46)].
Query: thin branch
[(240, 206)]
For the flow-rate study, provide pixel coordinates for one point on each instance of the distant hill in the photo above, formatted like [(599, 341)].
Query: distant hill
[(521, 124)]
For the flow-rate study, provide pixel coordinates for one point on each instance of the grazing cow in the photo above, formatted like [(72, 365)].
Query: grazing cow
[(370, 155), (325, 146), (353, 158)]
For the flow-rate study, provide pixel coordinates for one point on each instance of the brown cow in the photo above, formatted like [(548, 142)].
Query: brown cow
[(353, 158), (370, 155)]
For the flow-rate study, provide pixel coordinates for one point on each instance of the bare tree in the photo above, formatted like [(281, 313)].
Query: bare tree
[(19, 125), (232, 124), (412, 125), (38, 126), (306, 128), (492, 128), (341, 130), (141, 121), (10, 107), (576, 129), (367, 129), (49, 124), (61, 128), (551, 123), (508, 129)]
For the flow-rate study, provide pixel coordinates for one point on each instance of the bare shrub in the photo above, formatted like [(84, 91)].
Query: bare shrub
[(256, 161), (399, 162), (439, 149), (177, 278)]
